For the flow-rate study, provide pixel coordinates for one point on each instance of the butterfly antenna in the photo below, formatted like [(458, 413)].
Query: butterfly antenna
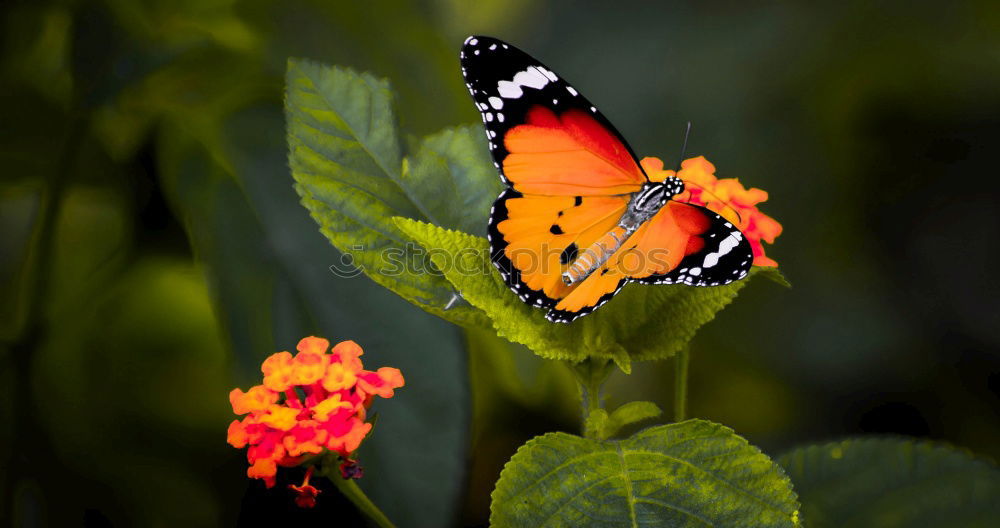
[(687, 133), (713, 195), (684, 147)]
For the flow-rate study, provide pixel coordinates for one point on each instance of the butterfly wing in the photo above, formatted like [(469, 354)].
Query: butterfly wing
[(570, 173), (544, 136), (708, 250), (535, 238)]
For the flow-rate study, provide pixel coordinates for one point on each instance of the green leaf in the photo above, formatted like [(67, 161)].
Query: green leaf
[(893, 482), (628, 414), (601, 425), (641, 322), (346, 156), (693, 473)]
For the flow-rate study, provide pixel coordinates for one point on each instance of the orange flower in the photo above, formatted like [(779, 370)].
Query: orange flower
[(308, 404), (727, 197)]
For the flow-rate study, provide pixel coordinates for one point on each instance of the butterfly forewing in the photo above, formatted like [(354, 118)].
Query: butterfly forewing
[(530, 258), (545, 137)]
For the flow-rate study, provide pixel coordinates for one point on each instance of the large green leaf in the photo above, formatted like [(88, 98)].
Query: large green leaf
[(268, 267), (641, 322), (893, 483), (346, 155), (693, 473)]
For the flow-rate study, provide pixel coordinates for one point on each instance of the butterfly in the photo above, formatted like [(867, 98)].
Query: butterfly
[(580, 218)]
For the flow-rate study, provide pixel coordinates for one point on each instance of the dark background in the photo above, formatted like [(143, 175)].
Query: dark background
[(153, 253)]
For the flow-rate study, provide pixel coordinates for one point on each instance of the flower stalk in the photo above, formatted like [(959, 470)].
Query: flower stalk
[(357, 496), (680, 383)]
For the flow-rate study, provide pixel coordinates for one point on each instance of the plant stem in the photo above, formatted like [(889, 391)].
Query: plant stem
[(591, 374), (594, 398), (352, 491), (681, 384)]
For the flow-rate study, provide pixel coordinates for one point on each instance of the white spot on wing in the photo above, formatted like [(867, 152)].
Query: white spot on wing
[(532, 78), (509, 90), (725, 247), (496, 102), (571, 90)]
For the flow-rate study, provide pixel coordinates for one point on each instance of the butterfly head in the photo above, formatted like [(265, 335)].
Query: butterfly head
[(654, 195)]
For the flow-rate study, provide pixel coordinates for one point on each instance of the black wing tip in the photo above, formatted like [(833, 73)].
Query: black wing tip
[(470, 38), (476, 41)]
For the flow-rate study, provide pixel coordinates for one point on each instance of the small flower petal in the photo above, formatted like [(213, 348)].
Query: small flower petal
[(339, 377), (381, 382), (279, 417), (237, 434), (348, 353), (264, 468), (305, 495), (313, 345), (277, 371), (308, 368), (333, 404)]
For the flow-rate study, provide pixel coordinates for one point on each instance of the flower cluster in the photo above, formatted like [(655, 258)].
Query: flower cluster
[(725, 196), (308, 404)]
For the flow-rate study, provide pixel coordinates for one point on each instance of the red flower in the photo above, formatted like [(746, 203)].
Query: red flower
[(727, 197), (308, 404), (305, 495)]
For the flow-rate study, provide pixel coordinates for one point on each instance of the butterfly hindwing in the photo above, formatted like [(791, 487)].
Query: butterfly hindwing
[(718, 253)]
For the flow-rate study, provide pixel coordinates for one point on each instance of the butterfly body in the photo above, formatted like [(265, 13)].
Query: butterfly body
[(580, 218), (642, 206)]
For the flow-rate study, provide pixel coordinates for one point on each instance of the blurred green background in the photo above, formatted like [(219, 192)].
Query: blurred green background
[(144, 141)]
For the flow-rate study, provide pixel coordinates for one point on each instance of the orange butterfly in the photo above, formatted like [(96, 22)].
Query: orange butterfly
[(580, 218)]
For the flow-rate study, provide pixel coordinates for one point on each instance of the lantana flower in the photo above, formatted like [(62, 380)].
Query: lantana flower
[(725, 196), (308, 404)]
